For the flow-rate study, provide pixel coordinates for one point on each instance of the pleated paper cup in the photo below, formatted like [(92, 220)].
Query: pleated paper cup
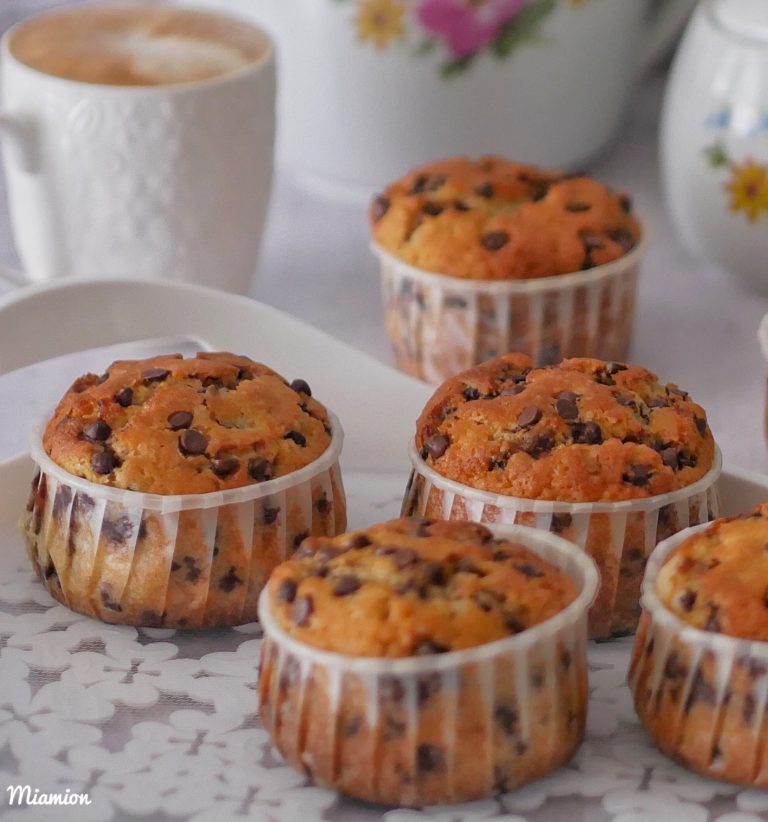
[(702, 696), (619, 536), (442, 728), (439, 326), (180, 561)]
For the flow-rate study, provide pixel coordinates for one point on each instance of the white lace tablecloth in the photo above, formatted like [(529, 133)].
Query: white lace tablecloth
[(162, 724)]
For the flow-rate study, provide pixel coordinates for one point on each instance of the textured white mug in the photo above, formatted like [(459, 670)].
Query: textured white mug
[(167, 181)]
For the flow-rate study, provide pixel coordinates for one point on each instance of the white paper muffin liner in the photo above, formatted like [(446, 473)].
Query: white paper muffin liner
[(702, 696), (440, 325), (182, 561), (618, 535), (442, 728)]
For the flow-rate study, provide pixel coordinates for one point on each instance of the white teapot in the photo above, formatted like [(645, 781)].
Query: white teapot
[(714, 138), (370, 88)]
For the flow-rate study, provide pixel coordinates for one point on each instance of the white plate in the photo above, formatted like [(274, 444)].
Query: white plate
[(161, 724)]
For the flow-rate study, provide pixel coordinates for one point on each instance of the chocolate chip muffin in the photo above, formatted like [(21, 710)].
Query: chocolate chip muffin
[(583, 431), (394, 654), (483, 257), (415, 588), (717, 580), (699, 669), (170, 425), (177, 485), (491, 219)]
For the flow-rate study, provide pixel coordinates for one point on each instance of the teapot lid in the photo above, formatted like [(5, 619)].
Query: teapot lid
[(747, 18)]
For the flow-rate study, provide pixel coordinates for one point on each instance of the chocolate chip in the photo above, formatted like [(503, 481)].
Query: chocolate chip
[(566, 407), (380, 207), (323, 505), (61, 500), (346, 585), (514, 624), (97, 431), (437, 182), (657, 402), (192, 443), (638, 475), (230, 581), (506, 719), (297, 437), (670, 457), (194, 572), (560, 522), (529, 571), (299, 538), (577, 206), (434, 573), (688, 600), (612, 368), (358, 541), (403, 557), (429, 646), (461, 206), (513, 390), (624, 239), (244, 374), (286, 591), (104, 462), (436, 445), (494, 240), (625, 202), (591, 240), (260, 470), (470, 394), (117, 530), (269, 515), (301, 387), (587, 433), (124, 397), (352, 727), (540, 445), (687, 461), (108, 602), (701, 425), (484, 190), (419, 184), (179, 419), (155, 374), (432, 209), (302, 610), (498, 462), (529, 416), (466, 566), (225, 466)]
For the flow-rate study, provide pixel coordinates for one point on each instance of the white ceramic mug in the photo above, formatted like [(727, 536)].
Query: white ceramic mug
[(371, 88), (166, 181), (715, 138)]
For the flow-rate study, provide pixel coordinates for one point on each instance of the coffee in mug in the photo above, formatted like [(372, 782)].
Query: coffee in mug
[(138, 142)]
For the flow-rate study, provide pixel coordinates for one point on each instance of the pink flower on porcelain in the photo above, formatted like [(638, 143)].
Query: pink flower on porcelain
[(467, 26)]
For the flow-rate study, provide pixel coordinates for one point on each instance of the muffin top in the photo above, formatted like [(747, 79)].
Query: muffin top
[(413, 586), (169, 425), (580, 431), (717, 579), (490, 219)]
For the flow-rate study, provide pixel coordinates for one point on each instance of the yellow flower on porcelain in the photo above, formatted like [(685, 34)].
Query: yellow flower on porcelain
[(748, 188), (380, 21)]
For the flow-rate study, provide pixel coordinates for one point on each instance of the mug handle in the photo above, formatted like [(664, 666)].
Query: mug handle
[(18, 133), (665, 25)]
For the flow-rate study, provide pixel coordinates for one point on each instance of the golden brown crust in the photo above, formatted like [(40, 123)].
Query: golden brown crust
[(491, 219), (580, 431), (168, 425), (717, 580), (413, 586)]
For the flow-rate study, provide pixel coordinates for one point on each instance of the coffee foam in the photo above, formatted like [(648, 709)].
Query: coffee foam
[(136, 44)]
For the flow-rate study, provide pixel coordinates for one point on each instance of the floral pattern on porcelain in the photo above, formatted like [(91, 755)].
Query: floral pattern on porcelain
[(456, 30), (746, 185)]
